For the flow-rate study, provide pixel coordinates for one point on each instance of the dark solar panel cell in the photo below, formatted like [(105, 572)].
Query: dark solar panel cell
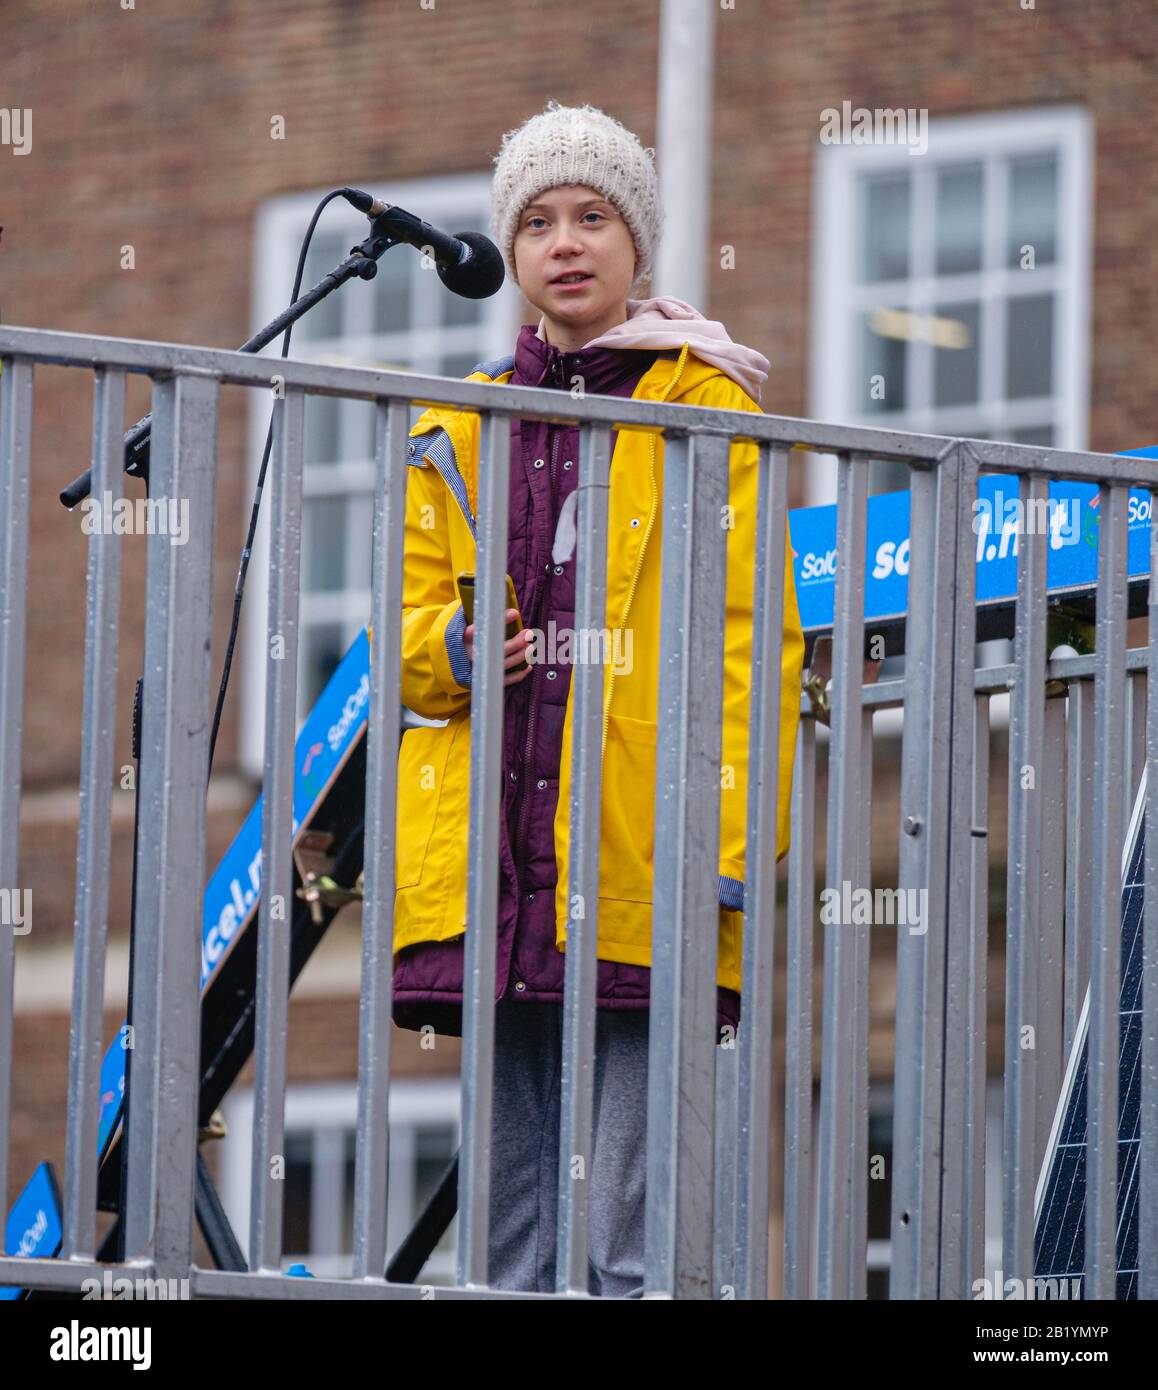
[(1130, 1077), (1055, 1240), (1074, 1129), (1127, 1207)]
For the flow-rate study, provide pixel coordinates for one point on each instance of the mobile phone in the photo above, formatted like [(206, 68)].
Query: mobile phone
[(466, 598)]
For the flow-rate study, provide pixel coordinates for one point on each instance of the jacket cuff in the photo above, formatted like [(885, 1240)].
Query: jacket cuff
[(731, 893), (438, 649), (455, 650)]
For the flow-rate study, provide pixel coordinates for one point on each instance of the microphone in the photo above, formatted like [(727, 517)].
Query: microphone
[(468, 264)]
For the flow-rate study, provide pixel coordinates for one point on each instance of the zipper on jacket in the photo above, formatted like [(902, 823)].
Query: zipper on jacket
[(533, 709)]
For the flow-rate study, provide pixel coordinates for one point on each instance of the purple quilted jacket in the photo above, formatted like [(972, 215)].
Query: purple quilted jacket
[(544, 471)]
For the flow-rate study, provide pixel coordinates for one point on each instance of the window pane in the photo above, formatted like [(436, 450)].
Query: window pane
[(433, 1150), (323, 647), (324, 544), (1033, 209), (358, 439), (1029, 347), (955, 354), (434, 1147), (299, 1166), (321, 429), (1041, 435), (959, 219), (888, 475), (359, 534), (324, 320), (880, 1142), (349, 1153), (459, 364), (455, 309), (886, 227), (884, 353), (392, 289), (879, 1196)]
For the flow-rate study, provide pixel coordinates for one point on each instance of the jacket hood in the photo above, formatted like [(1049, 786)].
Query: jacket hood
[(665, 322)]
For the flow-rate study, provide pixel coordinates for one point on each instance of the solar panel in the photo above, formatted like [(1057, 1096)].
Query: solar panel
[(1060, 1234)]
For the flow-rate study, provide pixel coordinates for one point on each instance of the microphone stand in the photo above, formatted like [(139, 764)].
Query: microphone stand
[(362, 263)]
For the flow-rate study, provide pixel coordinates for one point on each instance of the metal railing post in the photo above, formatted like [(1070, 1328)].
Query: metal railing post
[(685, 913), (971, 1266), (94, 837), (486, 771), (962, 1218), (1051, 939), (166, 1024), (15, 472), (1079, 875), (756, 1038), (385, 716), (1105, 957), (845, 859), (271, 1022), (1023, 909), (933, 681), (798, 1021), (577, 1081), (859, 934)]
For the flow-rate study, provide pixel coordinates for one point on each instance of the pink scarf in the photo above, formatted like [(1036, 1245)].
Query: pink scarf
[(666, 322)]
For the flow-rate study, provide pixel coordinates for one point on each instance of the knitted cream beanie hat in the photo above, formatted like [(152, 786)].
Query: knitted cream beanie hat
[(577, 145)]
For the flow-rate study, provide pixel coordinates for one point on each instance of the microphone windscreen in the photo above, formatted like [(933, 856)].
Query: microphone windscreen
[(481, 274)]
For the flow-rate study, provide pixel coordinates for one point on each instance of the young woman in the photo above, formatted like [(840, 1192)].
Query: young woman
[(577, 217)]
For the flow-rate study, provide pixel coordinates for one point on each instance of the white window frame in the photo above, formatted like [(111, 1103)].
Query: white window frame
[(1068, 130), (333, 1107), (281, 223)]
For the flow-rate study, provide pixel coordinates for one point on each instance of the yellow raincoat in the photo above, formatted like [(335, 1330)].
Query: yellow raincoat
[(434, 762)]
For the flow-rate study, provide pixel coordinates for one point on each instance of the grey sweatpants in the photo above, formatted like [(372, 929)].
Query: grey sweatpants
[(525, 1150)]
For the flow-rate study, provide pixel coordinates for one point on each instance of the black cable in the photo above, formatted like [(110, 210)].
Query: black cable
[(243, 567)]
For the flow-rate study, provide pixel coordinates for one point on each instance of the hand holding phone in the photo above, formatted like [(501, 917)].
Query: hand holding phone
[(516, 647)]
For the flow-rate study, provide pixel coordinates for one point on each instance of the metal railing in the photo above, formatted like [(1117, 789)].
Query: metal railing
[(708, 1203)]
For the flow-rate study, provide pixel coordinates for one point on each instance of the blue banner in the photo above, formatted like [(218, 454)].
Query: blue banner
[(33, 1228), (1072, 565)]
